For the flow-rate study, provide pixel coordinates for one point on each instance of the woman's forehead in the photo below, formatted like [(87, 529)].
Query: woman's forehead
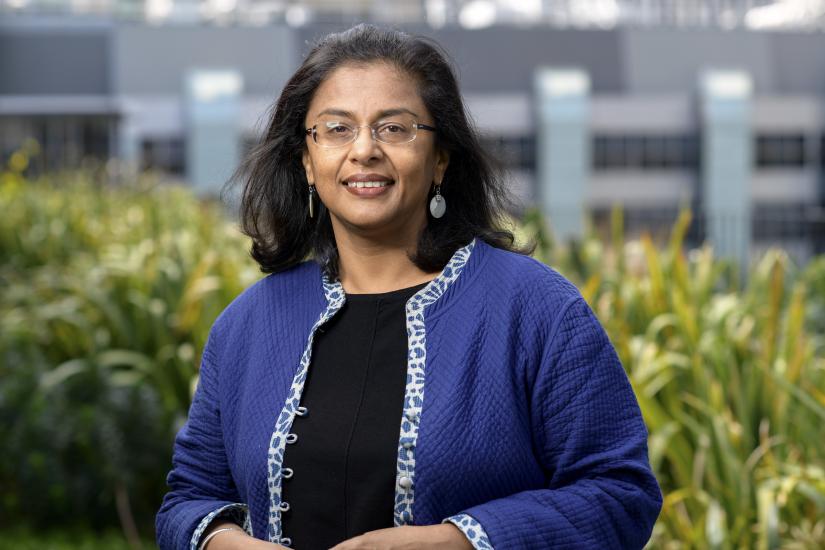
[(381, 113), (367, 91)]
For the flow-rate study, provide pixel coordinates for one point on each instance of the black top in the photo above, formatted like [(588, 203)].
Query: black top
[(344, 462)]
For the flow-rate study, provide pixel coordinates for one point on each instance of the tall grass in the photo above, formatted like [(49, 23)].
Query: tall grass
[(108, 293), (730, 382)]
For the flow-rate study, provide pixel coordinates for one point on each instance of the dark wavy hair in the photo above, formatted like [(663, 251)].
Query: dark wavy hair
[(274, 201)]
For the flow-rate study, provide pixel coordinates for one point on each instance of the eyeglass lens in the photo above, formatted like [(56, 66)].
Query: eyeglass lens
[(334, 133)]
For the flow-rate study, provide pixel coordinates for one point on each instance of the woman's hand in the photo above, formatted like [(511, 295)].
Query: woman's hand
[(445, 535), (237, 539)]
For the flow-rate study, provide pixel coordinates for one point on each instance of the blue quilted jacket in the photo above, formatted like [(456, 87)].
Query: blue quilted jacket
[(519, 424)]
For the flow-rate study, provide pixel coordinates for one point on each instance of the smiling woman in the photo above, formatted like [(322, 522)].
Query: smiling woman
[(367, 78), (374, 184), (404, 377)]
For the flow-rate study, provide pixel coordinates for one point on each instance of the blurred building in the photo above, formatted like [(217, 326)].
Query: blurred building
[(666, 90)]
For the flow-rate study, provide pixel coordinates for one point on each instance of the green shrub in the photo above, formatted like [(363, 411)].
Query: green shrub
[(730, 382), (109, 292), (108, 295), (23, 539)]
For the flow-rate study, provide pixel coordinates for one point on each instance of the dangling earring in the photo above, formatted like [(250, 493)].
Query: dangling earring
[(437, 204), (311, 200)]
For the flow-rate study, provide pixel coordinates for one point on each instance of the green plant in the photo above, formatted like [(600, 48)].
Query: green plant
[(108, 293), (729, 382), (108, 296), (23, 539)]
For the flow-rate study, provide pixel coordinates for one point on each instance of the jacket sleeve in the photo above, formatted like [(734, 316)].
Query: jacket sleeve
[(600, 491), (200, 483)]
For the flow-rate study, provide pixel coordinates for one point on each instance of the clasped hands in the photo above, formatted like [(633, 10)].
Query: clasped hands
[(444, 536)]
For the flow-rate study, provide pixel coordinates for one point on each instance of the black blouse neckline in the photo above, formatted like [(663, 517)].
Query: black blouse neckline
[(391, 295)]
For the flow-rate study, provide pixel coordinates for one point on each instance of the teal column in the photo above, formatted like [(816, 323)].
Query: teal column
[(727, 160), (128, 143), (211, 122), (563, 148)]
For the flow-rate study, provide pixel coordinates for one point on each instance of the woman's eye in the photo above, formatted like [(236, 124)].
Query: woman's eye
[(393, 128), (338, 129), (335, 128)]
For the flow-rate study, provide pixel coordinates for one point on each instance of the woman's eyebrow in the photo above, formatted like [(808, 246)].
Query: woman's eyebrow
[(381, 114), (336, 112), (396, 111)]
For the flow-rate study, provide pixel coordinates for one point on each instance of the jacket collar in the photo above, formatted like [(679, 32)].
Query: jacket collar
[(442, 285)]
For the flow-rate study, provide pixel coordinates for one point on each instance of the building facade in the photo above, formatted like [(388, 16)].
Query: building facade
[(653, 121)]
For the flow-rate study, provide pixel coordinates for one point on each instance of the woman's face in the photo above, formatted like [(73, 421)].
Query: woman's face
[(361, 95)]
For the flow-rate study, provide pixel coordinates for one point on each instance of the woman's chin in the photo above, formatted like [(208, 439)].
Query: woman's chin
[(373, 224)]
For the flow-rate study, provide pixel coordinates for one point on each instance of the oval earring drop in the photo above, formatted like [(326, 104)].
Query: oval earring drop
[(437, 204), (311, 201)]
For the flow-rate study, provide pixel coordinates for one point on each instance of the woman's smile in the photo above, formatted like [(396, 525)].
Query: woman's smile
[(368, 185)]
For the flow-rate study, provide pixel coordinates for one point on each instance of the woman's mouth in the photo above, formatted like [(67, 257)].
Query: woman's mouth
[(368, 188), (364, 184), (368, 185)]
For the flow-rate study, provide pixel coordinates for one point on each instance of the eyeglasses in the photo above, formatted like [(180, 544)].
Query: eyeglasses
[(335, 133)]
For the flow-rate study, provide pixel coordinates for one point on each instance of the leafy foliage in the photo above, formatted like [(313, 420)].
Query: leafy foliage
[(22, 539), (108, 294), (729, 381)]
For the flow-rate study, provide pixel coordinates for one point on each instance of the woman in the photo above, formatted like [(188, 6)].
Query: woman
[(420, 383)]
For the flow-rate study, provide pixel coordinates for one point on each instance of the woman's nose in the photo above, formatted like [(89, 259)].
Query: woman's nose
[(365, 147)]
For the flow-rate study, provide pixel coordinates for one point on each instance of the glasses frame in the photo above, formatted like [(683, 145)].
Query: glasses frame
[(312, 131)]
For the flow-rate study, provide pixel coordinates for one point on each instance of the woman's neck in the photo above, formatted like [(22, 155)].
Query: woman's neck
[(367, 266)]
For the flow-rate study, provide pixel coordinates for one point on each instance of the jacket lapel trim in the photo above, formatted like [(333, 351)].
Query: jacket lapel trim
[(334, 294), (414, 392)]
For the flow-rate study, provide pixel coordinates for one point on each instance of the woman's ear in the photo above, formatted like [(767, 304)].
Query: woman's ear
[(442, 159), (307, 162)]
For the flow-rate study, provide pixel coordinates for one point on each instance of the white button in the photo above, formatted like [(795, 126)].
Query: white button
[(284, 507), (287, 473), (291, 438), (285, 541), (301, 411), (405, 482)]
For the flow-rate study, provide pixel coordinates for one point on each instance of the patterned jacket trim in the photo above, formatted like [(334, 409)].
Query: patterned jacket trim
[(334, 294), (472, 529), (414, 391), (237, 512)]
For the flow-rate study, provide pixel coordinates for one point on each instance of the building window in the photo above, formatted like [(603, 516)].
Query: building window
[(656, 222), (646, 152), (780, 150), (776, 222), (822, 151), (163, 153), (65, 141), (516, 152)]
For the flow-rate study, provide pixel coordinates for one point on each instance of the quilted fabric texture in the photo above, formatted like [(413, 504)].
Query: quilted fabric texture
[(529, 430)]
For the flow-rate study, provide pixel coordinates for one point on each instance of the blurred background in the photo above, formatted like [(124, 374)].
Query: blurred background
[(667, 156)]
